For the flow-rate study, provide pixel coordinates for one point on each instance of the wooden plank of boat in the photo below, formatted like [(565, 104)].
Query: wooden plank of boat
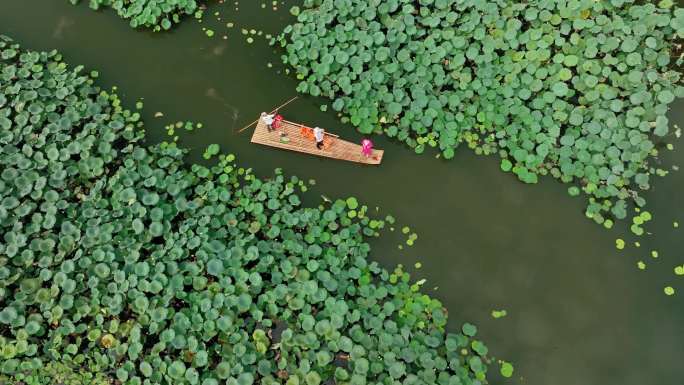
[(333, 147)]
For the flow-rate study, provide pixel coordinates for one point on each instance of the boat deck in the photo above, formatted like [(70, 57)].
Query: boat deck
[(333, 147)]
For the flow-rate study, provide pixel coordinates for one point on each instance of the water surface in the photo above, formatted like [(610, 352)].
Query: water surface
[(579, 311)]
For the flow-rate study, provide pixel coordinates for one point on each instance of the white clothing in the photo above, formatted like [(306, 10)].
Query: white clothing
[(318, 134), (268, 119)]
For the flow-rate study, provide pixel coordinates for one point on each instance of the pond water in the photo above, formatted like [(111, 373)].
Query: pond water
[(579, 311)]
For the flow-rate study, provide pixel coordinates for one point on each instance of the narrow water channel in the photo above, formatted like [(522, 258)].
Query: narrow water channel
[(579, 311)]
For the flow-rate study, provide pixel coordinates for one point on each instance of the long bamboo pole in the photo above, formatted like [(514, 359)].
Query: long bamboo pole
[(274, 110)]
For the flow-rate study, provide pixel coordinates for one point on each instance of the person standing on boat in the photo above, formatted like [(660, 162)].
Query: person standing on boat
[(268, 120), (319, 134), (367, 148), (277, 119)]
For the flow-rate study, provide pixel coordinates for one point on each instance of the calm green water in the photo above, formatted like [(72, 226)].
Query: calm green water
[(579, 311)]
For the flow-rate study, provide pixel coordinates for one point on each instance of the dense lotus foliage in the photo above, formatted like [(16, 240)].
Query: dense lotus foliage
[(153, 14), (121, 260), (578, 89)]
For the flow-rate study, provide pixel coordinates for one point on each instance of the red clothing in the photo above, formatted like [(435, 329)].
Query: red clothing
[(276, 121)]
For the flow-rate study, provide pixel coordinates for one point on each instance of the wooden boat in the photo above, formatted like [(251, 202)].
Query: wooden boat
[(298, 137)]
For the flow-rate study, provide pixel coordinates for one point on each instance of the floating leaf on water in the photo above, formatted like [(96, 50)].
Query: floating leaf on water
[(499, 313), (506, 369), (637, 230), (669, 290), (469, 329), (479, 348), (641, 265), (619, 244), (679, 270), (177, 370), (654, 253), (107, 341), (211, 150), (506, 165), (209, 32)]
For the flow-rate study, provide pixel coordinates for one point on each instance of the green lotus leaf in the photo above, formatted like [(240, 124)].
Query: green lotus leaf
[(560, 89), (312, 378), (156, 229), (633, 59), (176, 370), (479, 348), (469, 329), (145, 369), (666, 97), (506, 369), (215, 267), (506, 165), (150, 199)]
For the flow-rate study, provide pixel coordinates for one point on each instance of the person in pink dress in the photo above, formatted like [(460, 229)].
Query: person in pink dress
[(367, 148)]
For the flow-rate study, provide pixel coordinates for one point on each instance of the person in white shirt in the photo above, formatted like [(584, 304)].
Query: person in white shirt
[(268, 119), (319, 134)]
